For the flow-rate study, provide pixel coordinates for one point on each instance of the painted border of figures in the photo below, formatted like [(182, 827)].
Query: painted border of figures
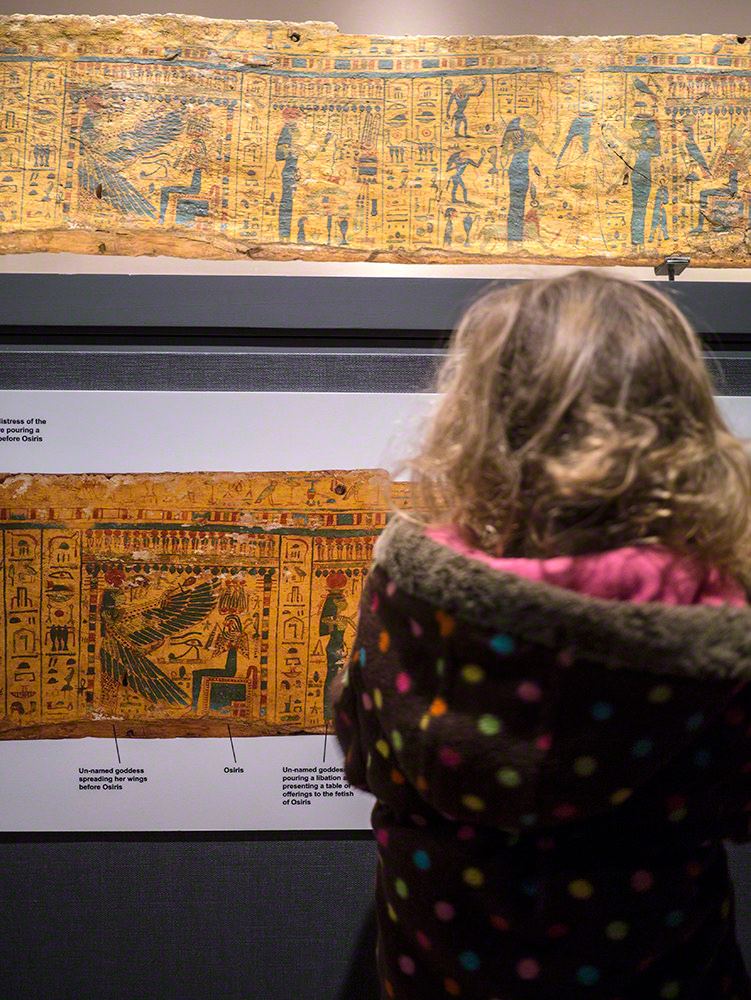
[(268, 140)]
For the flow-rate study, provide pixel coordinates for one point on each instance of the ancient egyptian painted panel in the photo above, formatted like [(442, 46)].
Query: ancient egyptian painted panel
[(180, 603), (204, 138)]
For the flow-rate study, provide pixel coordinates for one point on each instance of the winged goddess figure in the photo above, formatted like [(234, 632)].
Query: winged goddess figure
[(105, 150), (130, 632)]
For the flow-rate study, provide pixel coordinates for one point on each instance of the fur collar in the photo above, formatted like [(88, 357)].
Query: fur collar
[(694, 641)]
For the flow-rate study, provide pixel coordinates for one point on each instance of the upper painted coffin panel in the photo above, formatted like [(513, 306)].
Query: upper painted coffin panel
[(223, 139)]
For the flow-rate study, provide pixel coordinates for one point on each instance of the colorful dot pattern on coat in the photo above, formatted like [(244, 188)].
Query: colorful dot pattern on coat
[(524, 797)]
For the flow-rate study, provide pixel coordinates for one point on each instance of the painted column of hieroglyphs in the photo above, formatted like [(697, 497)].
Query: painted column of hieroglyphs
[(201, 138), (175, 604)]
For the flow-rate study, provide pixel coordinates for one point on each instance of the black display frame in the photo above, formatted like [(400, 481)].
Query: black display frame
[(256, 305), (286, 333)]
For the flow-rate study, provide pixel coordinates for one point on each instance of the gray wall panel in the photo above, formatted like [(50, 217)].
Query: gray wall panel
[(313, 303), (232, 920)]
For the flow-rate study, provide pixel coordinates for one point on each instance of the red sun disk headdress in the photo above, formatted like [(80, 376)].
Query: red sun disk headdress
[(114, 576), (336, 580)]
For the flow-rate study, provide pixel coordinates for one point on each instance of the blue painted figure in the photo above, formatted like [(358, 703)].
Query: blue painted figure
[(518, 139), (288, 151), (659, 215), (450, 214), (723, 197), (128, 639), (333, 623), (693, 154), (580, 127), (458, 163), (230, 637), (100, 160), (186, 208), (460, 97), (647, 145)]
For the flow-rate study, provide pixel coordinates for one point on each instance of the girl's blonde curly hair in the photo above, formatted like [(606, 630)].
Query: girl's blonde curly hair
[(576, 415)]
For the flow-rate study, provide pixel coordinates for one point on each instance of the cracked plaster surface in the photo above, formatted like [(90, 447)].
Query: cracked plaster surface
[(270, 140)]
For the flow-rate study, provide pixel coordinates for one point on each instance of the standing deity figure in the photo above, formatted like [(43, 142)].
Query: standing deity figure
[(458, 163), (518, 139), (288, 152), (460, 98), (333, 623), (646, 144)]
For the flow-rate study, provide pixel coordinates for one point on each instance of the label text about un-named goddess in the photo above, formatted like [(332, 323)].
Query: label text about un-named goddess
[(110, 779), (301, 786)]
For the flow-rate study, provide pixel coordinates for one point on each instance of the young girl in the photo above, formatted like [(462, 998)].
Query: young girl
[(549, 692)]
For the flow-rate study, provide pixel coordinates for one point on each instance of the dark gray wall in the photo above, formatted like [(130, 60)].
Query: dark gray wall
[(220, 919)]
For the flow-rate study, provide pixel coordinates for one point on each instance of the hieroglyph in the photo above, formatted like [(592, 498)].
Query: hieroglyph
[(177, 604), (206, 138)]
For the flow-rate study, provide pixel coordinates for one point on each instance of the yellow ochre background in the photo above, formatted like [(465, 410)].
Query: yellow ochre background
[(278, 140)]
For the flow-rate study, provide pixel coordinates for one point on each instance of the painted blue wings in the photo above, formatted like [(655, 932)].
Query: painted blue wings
[(102, 155), (147, 135), (128, 634)]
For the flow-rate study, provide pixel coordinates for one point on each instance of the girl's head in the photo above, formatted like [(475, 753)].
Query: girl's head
[(575, 415)]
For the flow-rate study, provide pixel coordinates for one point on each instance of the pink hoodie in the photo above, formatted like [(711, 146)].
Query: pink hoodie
[(627, 574)]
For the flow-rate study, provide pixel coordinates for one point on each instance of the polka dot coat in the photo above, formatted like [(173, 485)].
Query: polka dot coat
[(554, 777)]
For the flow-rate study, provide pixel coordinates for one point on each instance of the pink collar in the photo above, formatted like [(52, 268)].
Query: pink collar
[(627, 574)]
